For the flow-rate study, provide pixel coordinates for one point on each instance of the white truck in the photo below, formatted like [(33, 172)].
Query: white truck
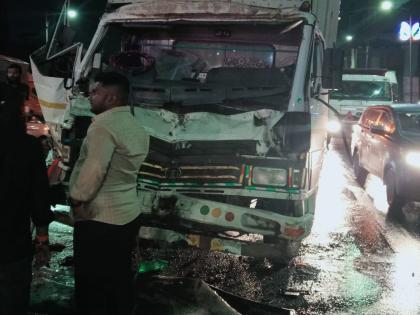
[(360, 89), (231, 93)]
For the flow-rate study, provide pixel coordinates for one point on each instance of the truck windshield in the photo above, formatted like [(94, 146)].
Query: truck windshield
[(204, 67), (363, 90)]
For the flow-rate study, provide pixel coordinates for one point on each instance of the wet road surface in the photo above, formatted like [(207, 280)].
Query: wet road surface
[(356, 260)]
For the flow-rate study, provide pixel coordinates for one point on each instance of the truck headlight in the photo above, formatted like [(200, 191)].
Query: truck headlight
[(413, 159), (333, 126), (269, 176)]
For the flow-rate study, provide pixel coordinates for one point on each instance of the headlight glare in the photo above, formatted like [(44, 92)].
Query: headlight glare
[(269, 176), (413, 159), (333, 126)]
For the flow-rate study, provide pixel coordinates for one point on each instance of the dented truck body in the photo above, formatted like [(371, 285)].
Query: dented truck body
[(230, 92)]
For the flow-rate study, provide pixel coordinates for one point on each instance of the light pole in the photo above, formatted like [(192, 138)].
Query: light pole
[(410, 61), (409, 31), (70, 14)]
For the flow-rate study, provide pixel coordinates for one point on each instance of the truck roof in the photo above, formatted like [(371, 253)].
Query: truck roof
[(370, 74), (367, 71), (276, 4), (326, 11), (205, 10)]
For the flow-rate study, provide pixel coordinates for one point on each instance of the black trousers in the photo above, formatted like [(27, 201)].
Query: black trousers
[(15, 285), (104, 277)]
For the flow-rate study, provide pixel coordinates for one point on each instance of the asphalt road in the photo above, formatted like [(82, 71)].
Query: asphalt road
[(356, 260)]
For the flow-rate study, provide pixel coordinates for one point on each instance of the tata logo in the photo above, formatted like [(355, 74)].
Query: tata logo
[(183, 145), (173, 173)]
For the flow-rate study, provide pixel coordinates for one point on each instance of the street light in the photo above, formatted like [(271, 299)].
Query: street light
[(386, 5), (71, 13), (349, 38)]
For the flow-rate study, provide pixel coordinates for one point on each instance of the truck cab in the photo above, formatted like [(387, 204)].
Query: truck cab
[(231, 93), (364, 87)]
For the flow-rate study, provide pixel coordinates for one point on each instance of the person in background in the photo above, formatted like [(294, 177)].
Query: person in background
[(104, 200), (23, 197), (14, 81), (47, 149)]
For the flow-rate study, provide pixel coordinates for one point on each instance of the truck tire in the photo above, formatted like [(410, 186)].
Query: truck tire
[(395, 201), (285, 250), (359, 172)]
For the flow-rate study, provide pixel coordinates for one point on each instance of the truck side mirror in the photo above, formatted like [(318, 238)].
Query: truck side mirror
[(377, 130), (332, 68), (294, 132)]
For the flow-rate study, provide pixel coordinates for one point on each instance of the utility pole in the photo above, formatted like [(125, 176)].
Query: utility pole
[(47, 28), (410, 62)]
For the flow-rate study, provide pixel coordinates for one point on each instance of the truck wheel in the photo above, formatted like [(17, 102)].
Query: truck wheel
[(290, 248), (359, 172), (395, 201), (286, 251)]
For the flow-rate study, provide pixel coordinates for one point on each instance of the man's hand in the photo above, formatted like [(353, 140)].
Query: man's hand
[(80, 212), (42, 255)]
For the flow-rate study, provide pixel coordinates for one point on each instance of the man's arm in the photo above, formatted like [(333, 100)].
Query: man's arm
[(100, 146)]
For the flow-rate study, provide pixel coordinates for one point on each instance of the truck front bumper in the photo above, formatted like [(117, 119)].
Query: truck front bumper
[(181, 212)]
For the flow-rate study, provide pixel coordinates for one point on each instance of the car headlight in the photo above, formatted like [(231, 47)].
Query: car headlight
[(413, 159), (333, 126), (269, 176)]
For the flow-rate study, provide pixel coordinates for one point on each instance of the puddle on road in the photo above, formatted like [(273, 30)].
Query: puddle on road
[(341, 286), (52, 287)]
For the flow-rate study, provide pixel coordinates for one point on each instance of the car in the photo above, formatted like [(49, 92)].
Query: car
[(386, 143), (37, 128)]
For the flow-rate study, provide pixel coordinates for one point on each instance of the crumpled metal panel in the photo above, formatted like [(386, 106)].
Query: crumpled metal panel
[(259, 3), (172, 127), (220, 9)]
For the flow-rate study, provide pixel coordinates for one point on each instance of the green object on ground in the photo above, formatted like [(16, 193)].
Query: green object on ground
[(152, 265)]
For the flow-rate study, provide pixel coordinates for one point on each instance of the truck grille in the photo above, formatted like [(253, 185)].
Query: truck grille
[(197, 174)]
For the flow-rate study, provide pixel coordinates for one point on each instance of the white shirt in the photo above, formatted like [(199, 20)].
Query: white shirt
[(105, 175)]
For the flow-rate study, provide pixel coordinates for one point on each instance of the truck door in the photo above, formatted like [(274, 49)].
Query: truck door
[(319, 114)]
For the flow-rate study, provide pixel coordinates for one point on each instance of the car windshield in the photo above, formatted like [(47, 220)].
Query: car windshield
[(410, 122), (363, 90)]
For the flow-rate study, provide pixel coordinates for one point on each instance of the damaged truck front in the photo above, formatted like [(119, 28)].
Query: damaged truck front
[(231, 94)]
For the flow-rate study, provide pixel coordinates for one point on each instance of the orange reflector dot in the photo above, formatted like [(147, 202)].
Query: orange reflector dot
[(216, 212), (229, 216)]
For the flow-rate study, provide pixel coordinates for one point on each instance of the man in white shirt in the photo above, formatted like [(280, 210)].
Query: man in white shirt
[(104, 199)]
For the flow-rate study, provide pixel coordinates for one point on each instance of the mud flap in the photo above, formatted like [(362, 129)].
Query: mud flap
[(171, 295)]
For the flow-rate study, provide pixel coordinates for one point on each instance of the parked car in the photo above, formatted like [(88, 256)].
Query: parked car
[(386, 143), (37, 128)]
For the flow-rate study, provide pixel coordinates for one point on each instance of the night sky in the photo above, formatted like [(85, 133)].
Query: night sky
[(363, 20), (22, 22)]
